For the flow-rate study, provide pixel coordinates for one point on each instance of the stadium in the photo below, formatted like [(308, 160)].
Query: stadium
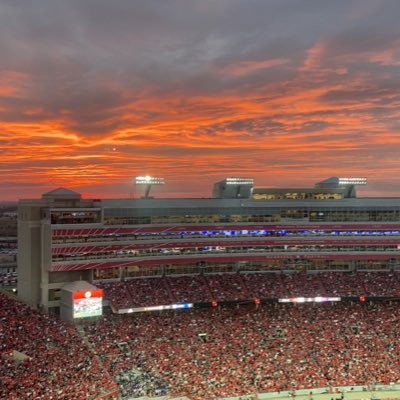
[(254, 293)]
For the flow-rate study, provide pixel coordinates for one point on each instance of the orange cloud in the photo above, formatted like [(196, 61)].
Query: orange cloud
[(317, 119)]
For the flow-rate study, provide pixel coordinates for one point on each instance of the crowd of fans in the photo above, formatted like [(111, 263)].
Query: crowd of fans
[(42, 357), (237, 350), (226, 287), (188, 289), (207, 353)]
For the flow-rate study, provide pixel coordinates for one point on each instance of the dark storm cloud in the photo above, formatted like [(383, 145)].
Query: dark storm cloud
[(376, 95), (140, 42), (257, 126), (312, 126), (69, 49)]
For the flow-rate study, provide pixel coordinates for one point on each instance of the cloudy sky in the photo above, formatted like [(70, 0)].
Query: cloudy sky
[(289, 92)]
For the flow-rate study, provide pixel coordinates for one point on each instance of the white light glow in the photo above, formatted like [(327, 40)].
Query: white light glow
[(239, 181), (149, 180), (155, 308), (352, 181), (309, 299)]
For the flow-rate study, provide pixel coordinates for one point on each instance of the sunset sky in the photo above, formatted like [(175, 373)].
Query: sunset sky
[(288, 92)]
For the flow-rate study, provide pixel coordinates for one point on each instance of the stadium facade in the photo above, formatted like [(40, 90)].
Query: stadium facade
[(63, 238)]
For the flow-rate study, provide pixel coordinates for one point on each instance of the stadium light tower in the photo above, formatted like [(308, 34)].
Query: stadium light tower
[(347, 183), (233, 188), (148, 182), (240, 184)]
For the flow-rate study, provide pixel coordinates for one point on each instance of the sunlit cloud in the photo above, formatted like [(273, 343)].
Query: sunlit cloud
[(92, 94)]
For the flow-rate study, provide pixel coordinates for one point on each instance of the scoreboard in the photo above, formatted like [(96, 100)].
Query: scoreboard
[(87, 303)]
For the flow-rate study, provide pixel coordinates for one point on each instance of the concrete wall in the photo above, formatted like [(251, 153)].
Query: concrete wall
[(29, 254)]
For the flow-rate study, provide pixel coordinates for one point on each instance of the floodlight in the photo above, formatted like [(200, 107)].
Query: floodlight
[(239, 181), (148, 181), (352, 181)]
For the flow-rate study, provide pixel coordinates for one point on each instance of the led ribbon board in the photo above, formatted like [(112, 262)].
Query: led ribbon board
[(309, 299)]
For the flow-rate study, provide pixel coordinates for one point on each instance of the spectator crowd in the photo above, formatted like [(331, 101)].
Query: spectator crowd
[(207, 353), (227, 351), (248, 286), (44, 358)]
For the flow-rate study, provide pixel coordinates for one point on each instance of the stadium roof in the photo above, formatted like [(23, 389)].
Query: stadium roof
[(62, 193), (78, 286)]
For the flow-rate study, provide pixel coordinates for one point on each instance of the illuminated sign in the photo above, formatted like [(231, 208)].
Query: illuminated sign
[(309, 299), (352, 181), (88, 303), (155, 308), (169, 307)]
